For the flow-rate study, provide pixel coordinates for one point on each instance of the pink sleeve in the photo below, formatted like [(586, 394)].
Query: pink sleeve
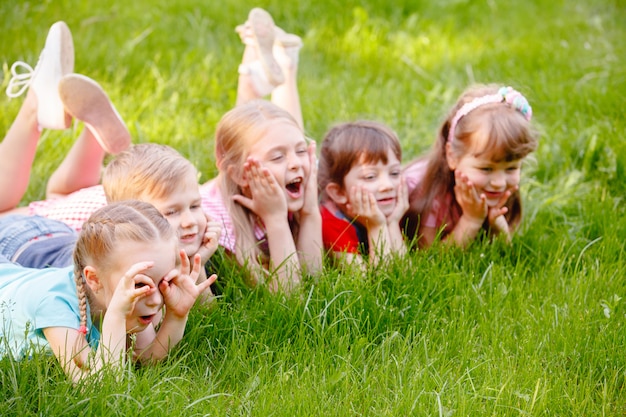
[(213, 205), (414, 174)]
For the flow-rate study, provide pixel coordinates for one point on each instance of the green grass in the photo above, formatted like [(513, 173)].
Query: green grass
[(535, 328)]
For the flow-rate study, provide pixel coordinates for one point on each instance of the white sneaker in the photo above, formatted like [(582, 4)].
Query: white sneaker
[(86, 101), (56, 60)]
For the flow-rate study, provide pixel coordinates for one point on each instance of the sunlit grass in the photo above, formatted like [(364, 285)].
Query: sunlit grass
[(534, 328)]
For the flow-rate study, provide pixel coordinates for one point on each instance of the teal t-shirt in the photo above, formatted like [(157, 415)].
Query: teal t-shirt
[(32, 300)]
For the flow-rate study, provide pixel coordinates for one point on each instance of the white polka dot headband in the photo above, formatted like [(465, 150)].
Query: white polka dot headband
[(504, 95)]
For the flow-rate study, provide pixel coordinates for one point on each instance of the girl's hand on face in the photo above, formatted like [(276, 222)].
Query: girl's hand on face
[(179, 288), (311, 201), (133, 286), (474, 206), (497, 221), (267, 197), (363, 207), (210, 241), (402, 203)]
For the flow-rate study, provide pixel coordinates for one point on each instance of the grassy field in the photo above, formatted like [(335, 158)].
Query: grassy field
[(536, 328)]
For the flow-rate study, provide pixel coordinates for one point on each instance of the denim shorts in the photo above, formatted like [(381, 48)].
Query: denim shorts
[(18, 230)]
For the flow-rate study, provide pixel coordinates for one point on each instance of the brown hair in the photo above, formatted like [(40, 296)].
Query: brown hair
[(130, 220), (509, 137), (145, 170), (236, 131), (347, 144)]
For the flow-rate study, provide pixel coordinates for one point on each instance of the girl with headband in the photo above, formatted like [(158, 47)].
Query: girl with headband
[(470, 180)]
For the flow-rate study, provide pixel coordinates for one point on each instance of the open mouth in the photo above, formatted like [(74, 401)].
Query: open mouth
[(494, 194), (145, 320), (294, 187), (188, 237)]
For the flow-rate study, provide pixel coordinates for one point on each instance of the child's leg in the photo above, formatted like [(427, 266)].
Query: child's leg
[(104, 132), (255, 78), (259, 72), (17, 152), (81, 167), (36, 242), (286, 49), (42, 108)]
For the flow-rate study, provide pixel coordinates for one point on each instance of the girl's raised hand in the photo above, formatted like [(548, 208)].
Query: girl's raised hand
[(497, 221), (474, 206), (267, 197), (402, 203), (311, 201), (210, 241), (363, 207), (179, 288), (133, 286)]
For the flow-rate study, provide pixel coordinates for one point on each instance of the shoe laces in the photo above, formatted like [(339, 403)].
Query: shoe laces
[(22, 74)]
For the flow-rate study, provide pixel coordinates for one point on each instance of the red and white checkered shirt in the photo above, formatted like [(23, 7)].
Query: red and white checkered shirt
[(73, 209)]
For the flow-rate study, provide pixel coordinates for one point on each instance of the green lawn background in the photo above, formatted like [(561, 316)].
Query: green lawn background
[(536, 328)]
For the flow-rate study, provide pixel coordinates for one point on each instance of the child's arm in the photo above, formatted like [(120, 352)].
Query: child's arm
[(396, 240), (269, 203), (210, 242), (474, 209), (497, 221), (362, 206), (310, 241), (180, 292), (71, 347)]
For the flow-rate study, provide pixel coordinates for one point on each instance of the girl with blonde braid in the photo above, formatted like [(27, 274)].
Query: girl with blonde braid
[(127, 266)]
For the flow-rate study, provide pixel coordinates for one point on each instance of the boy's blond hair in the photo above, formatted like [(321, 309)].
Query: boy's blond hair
[(144, 171)]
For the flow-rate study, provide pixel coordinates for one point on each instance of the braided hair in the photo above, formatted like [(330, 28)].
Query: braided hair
[(129, 220)]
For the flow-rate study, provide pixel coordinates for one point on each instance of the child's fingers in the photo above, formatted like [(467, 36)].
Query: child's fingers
[(482, 199), (207, 283), (356, 200), (372, 205), (216, 229), (133, 287), (363, 198), (135, 282), (403, 189), (244, 201), (170, 276), (503, 199), (210, 237), (184, 262), (313, 157), (138, 268), (263, 181), (197, 262)]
